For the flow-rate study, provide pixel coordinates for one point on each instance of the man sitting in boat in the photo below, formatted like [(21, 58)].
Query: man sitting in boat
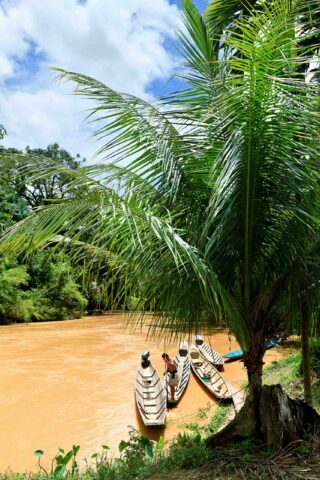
[(173, 375)]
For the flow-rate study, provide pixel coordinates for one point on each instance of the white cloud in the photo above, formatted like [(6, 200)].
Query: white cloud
[(121, 43)]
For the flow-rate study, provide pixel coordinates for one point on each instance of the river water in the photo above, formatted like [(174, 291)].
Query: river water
[(72, 382)]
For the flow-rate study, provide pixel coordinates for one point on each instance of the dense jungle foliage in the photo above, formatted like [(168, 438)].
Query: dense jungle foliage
[(43, 287)]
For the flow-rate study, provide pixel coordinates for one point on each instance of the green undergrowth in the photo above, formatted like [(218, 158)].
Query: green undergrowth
[(217, 421), (187, 458), (288, 372), (139, 458)]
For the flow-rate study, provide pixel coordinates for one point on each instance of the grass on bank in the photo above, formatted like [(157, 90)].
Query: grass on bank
[(187, 457), (288, 372)]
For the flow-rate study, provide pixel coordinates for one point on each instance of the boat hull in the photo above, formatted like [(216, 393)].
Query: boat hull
[(208, 353), (150, 397), (182, 362), (209, 376)]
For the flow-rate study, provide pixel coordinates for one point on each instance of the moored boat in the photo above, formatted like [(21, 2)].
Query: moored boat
[(150, 394), (272, 342), (238, 354), (209, 375), (208, 353), (235, 355), (182, 362)]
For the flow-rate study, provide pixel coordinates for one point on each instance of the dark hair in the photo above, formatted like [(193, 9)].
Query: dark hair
[(165, 355)]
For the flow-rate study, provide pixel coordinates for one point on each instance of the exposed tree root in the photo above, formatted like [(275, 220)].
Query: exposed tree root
[(277, 420)]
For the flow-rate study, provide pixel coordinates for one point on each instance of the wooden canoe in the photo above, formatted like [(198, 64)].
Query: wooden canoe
[(182, 362), (208, 353), (150, 394), (209, 375), (235, 355), (238, 354)]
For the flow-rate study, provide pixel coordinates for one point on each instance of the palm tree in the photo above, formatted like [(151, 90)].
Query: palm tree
[(206, 203), (221, 16)]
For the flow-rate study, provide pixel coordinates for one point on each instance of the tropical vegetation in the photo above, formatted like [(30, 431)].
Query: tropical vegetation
[(46, 287), (205, 208), (44, 290)]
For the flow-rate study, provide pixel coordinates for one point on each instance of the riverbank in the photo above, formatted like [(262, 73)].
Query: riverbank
[(72, 382), (288, 372), (187, 456)]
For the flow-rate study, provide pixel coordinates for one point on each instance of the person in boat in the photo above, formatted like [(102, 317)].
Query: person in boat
[(173, 374)]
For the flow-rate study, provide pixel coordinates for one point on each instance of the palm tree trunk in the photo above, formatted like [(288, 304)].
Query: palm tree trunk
[(254, 363), (255, 375), (306, 366)]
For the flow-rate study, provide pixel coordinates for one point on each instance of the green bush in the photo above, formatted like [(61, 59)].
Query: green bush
[(15, 304), (187, 451), (41, 291), (139, 459), (55, 293), (219, 418)]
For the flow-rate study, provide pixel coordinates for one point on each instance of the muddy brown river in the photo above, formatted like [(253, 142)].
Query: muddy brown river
[(72, 382)]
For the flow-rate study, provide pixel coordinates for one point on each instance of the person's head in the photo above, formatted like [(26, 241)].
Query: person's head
[(165, 356)]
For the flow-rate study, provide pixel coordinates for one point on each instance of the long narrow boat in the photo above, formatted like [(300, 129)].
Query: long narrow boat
[(150, 394), (209, 375), (238, 354), (232, 356), (183, 371), (208, 353)]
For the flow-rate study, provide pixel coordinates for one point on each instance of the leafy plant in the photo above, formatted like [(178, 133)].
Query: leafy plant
[(15, 304), (45, 289), (202, 412), (60, 462), (304, 449), (219, 417), (247, 457)]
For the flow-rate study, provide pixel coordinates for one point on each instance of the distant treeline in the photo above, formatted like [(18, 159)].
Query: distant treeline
[(45, 286)]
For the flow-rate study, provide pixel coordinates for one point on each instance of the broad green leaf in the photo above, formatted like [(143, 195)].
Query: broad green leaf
[(122, 446), (39, 453), (59, 472)]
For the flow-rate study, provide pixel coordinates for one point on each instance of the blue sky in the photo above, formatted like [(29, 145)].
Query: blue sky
[(200, 4), (129, 45)]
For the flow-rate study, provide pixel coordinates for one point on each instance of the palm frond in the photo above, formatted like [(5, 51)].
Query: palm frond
[(138, 133), (269, 135)]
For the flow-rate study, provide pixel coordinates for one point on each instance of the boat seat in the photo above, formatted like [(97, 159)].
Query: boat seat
[(152, 410), (194, 354)]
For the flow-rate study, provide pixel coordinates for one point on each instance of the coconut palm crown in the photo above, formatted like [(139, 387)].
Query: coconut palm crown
[(206, 202)]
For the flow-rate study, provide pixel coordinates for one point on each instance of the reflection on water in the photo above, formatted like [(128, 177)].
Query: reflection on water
[(72, 382)]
